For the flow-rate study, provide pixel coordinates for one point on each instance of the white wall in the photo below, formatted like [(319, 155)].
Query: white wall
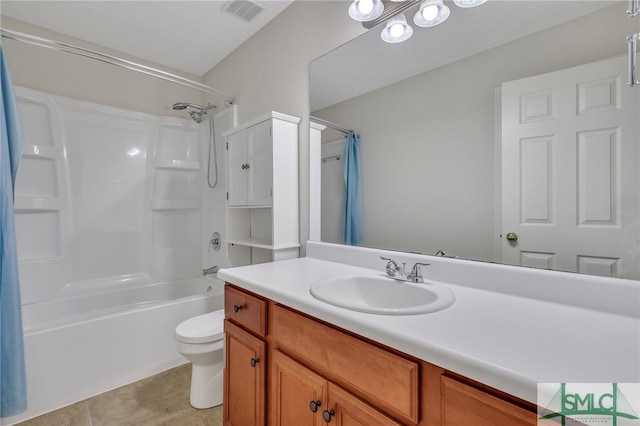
[(427, 143), (270, 72)]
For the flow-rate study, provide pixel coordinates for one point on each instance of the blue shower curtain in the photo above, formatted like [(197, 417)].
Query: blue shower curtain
[(352, 223), (13, 389)]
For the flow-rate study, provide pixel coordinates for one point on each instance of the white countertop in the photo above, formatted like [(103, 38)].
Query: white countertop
[(506, 341)]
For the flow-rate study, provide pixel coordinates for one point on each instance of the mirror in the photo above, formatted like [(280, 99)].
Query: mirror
[(429, 115)]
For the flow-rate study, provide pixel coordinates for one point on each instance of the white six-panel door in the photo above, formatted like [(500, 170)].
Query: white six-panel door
[(570, 171)]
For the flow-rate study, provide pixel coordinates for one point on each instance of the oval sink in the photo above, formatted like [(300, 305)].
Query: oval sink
[(381, 295)]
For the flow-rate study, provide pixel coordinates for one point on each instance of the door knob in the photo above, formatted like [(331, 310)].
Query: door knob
[(512, 236)]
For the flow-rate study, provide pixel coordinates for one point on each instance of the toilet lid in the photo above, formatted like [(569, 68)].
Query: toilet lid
[(202, 329)]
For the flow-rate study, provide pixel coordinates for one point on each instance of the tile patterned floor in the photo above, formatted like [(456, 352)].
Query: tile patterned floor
[(160, 400)]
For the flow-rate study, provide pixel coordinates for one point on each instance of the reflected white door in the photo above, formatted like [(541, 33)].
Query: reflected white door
[(570, 171)]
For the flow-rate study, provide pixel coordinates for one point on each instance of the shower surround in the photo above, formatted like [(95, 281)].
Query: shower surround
[(113, 222)]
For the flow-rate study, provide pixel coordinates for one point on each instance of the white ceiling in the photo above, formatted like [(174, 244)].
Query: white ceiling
[(189, 36)]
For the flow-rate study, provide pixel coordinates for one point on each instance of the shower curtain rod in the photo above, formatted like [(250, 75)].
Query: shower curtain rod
[(113, 60), (330, 124)]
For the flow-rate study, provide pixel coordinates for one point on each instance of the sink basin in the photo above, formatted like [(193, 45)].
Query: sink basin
[(381, 295)]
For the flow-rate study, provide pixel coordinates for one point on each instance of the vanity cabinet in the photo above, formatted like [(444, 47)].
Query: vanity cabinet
[(262, 190), (318, 374), (387, 381), (299, 396), (244, 378), (464, 405), (245, 359)]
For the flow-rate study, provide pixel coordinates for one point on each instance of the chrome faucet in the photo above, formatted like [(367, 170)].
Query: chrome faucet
[(399, 273), (415, 276), (210, 271)]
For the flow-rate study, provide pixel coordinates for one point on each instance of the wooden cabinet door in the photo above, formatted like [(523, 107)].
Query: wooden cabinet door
[(464, 405), (236, 169), (260, 164), (297, 395), (344, 409), (244, 378)]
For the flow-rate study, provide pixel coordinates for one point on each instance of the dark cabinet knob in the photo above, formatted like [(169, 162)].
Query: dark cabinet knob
[(328, 415), (237, 308), (313, 406), (254, 362)]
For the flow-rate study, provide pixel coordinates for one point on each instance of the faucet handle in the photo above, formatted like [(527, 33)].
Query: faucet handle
[(392, 267), (415, 276)]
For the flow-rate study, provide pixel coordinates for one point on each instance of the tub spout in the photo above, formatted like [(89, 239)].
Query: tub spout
[(210, 271)]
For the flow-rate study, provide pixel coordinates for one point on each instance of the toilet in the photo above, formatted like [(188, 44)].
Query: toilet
[(201, 341)]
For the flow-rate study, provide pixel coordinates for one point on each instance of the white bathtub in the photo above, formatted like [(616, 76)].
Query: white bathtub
[(88, 342)]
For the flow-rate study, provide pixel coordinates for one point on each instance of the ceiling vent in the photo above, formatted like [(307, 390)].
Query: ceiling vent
[(243, 9)]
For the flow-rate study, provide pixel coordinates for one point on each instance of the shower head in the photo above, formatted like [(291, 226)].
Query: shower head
[(195, 115), (182, 105)]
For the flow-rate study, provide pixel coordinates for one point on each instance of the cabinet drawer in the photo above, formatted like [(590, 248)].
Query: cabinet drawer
[(465, 405), (245, 309), (386, 380)]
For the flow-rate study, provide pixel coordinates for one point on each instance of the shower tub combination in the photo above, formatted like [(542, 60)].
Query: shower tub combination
[(80, 345), (113, 218)]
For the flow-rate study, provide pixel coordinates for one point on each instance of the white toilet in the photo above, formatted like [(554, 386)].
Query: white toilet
[(201, 341)]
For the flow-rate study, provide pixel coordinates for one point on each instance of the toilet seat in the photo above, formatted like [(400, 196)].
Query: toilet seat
[(202, 329)]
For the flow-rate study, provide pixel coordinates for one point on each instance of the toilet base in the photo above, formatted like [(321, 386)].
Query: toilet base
[(206, 386)]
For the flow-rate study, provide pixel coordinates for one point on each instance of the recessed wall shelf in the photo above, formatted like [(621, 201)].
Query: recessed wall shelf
[(175, 204), (36, 205), (171, 164)]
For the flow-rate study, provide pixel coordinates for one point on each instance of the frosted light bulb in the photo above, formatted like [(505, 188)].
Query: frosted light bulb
[(365, 6), (396, 30), (430, 12)]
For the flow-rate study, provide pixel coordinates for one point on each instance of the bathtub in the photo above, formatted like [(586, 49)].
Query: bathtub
[(89, 341)]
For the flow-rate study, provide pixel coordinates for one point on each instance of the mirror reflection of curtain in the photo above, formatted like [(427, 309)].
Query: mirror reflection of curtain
[(352, 222), (332, 191)]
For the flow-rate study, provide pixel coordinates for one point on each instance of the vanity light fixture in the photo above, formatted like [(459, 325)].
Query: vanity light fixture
[(397, 29), (365, 10), (468, 3), (431, 13)]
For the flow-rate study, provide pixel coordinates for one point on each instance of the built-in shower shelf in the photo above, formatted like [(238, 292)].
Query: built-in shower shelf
[(40, 151), (36, 204), (175, 204), (170, 164)]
